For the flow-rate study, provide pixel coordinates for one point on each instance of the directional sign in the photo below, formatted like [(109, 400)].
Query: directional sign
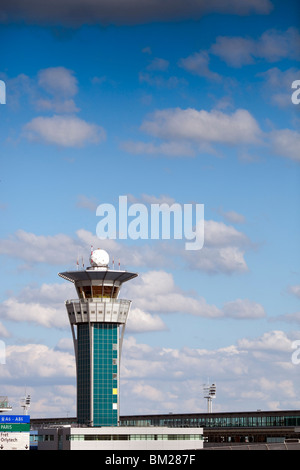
[(8, 427), (14, 441), (14, 419)]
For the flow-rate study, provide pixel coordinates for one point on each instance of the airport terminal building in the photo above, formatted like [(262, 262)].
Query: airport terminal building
[(97, 318), (258, 429)]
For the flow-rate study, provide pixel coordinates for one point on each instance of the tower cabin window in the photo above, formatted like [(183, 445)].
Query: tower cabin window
[(86, 292)]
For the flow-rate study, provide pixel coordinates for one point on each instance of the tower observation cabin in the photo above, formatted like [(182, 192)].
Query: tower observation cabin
[(98, 318)]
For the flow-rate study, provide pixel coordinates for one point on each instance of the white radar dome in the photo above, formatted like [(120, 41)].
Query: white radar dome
[(99, 258)]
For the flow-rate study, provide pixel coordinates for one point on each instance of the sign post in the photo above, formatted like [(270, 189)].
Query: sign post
[(14, 432), (14, 441)]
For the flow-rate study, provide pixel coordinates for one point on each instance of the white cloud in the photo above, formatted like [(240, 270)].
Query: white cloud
[(26, 246), (168, 149), (85, 202), (65, 131), (42, 313), (170, 378), (243, 309), (270, 341), (159, 81), (235, 51), (272, 46), (223, 251), (227, 260), (198, 64), (232, 216), (57, 106), (52, 90), (3, 331), (156, 291), (286, 143), (277, 85), (295, 290), (62, 85), (62, 250), (220, 234), (40, 305), (289, 317), (203, 126), (140, 321), (244, 374), (158, 64), (39, 362), (151, 199), (58, 81), (186, 132)]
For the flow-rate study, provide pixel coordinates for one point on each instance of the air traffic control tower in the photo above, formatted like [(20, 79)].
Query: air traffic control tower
[(97, 320)]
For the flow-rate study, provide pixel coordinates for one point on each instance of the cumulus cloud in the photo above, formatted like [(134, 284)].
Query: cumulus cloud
[(153, 293), (151, 199), (140, 321), (62, 250), (60, 85), (243, 308), (223, 251), (4, 333), (277, 85), (65, 131), (32, 248), (203, 126), (15, 310), (158, 64), (52, 90), (286, 143), (156, 292), (244, 373), (37, 361), (167, 149), (272, 46), (227, 260), (295, 290), (79, 12), (270, 341), (170, 378), (58, 80), (232, 217), (198, 64), (220, 234), (186, 132), (43, 306)]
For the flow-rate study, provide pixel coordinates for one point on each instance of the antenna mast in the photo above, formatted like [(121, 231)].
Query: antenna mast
[(25, 404), (209, 392)]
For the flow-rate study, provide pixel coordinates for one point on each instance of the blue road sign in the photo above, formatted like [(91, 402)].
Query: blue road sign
[(14, 419)]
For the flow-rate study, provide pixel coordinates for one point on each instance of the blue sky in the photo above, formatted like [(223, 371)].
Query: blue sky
[(183, 105)]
